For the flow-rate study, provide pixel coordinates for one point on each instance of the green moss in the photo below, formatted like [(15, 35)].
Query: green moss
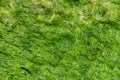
[(59, 40)]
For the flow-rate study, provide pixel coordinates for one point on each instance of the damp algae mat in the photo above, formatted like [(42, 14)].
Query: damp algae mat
[(59, 39)]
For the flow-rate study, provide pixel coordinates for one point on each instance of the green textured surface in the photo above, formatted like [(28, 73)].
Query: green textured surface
[(59, 39)]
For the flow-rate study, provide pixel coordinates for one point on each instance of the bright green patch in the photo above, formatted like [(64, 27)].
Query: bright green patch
[(59, 40)]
